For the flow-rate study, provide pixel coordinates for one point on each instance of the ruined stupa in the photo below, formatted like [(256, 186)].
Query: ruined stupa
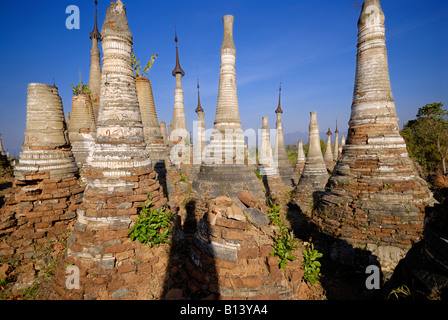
[(328, 155), (375, 198), (82, 128), (178, 136), (46, 147), (224, 169), (3, 158), (284, 166), (314, 175), (95, 66), (341, 145), (151, 128), (300, 158), (200, 141), (162, 126), (118, 176), (179, 123), (46, 192), (336, 144), (266, 164)]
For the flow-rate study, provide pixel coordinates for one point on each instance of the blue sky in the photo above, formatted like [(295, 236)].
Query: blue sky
[(309, 44)]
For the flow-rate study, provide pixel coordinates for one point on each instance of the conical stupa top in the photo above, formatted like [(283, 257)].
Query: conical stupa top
[(116, 23), (336, 131), (199, 108), (279, 108), (95, 33), (329, 133), (371, 14), (177, 68)]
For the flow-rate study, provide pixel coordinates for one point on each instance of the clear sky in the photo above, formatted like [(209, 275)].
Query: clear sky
[(309, 44)]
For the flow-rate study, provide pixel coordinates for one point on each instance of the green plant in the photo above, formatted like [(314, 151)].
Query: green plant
[(402, 291), (81, 89), (182, 177), (284, 242), (153, 226), (284, 246), (258, 174), (138, 68), (311, 265)]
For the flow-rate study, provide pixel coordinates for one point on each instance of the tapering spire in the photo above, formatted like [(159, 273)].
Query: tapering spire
[(95, 33), (177, 69), (279, 108), (336, 131), (199, 108)]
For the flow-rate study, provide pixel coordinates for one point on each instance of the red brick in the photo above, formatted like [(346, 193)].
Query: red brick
[(126, 267), (248, 253), (229, 223), (230, 234), (117, 248)]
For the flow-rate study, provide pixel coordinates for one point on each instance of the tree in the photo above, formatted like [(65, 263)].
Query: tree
[(427, 137), (138, 68)]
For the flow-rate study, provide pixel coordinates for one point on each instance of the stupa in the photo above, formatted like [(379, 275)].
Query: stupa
[(375, 198), (314, 175), (95, 66), (266, 164), (151, 128), (46, 146), (284, 166), (82, 128), (224, 170), (300, 164), (118, 177)]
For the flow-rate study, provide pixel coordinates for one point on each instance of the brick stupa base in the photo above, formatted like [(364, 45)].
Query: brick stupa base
[(38, 214), (231, 256), (111, 265)]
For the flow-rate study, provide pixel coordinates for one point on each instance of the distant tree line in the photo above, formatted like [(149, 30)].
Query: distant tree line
[(427, 138)]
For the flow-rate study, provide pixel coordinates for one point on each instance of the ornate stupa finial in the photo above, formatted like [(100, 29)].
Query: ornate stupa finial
[(279, 108), (177, 69), (336, 131), (199, 108), (95, 33)]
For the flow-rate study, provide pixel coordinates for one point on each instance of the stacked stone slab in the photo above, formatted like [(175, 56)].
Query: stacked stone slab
[(231, 254), (375, 198), (266, 164), (151, 127), (46, 146), (82, 128), (284, 166), (314, 175), (41, 205), (300, 158), (95, 66), (224, 169), (118, 177)]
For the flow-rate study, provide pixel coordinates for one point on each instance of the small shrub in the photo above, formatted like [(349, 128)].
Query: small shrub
[(310, 264), (153, 226)]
